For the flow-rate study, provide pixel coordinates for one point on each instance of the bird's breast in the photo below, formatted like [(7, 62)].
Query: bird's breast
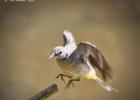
[(72, 68)]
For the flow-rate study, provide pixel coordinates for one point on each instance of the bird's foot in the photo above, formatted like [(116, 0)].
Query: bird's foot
[(62, 77), (70, 82)]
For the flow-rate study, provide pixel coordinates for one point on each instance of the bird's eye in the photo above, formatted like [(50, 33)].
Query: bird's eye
[(60, 52)]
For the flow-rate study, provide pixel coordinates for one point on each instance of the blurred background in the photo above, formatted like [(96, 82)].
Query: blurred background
[(30, 30)]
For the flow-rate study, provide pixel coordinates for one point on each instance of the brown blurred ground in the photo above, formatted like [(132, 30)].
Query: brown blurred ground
[(29, 31)]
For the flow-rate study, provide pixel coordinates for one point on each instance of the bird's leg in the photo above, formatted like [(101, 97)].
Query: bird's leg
[(70, 82), (62, 77)]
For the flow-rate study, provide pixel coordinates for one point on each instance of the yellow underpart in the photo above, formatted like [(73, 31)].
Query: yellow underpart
[(91, 76)]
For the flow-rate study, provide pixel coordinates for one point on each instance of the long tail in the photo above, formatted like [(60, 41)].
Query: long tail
[(105, 85)]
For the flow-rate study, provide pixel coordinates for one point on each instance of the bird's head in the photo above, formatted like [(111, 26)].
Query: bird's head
[(58, 52)]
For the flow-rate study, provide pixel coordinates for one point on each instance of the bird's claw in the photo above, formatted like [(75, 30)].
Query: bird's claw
[(62, 77), (70, 82)]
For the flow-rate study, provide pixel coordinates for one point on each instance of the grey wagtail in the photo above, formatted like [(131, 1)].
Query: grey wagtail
[(80, 61)]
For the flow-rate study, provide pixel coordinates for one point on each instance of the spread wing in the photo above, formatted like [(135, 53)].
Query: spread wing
[(96, 59), (68, 37), (65, 40)]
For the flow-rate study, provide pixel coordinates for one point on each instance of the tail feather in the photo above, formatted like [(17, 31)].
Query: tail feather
[(105, 85)]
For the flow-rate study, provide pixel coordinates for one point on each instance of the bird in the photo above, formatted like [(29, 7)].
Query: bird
[(81, 60)]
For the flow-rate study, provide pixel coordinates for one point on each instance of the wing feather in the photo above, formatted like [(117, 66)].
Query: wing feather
[(65, 40), (96, 59)]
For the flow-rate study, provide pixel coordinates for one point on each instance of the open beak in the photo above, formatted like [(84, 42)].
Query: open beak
[(52, 55)]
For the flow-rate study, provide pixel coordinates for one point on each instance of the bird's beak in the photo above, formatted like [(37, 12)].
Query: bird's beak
[(52, 55)]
